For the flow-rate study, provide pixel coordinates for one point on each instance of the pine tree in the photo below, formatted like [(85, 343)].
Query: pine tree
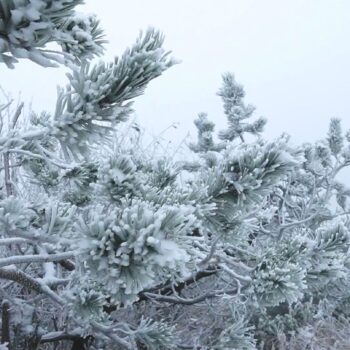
[(104, 246), (237, 111)]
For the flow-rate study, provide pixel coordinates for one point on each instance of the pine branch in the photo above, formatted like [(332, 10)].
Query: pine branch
[(21, 278), (8, 183), (14, 240), (5, 322), (190, 301), (20, 259), (62, 335), (169, 287)]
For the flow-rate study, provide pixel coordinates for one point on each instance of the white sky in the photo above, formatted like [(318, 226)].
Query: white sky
[(292, 57)]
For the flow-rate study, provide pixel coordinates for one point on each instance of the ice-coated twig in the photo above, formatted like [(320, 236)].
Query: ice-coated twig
[(20, 259)]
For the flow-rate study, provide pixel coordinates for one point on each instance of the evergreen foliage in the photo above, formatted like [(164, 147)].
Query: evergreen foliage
[(244, 245), (236, 111)]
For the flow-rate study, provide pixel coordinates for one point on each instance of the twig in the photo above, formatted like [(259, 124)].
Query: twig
[(21, 278), (8, 184), (20, 259), (15, 240), (5, 322), (109, 333), (16, 115), (183, 301)]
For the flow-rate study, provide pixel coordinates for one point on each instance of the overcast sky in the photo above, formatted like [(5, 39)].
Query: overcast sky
[(292, 57)]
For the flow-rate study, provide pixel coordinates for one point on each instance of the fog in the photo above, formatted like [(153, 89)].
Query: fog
[(291, 56)]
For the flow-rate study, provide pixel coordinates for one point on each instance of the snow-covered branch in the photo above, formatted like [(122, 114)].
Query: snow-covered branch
[(21, 259)]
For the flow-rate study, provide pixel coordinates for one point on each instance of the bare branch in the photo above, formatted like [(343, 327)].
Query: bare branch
[(14, 240), (16, 115), (21, 278), (5, 322), (183, 301), (20, 259), (8, 184), (110, 334)]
